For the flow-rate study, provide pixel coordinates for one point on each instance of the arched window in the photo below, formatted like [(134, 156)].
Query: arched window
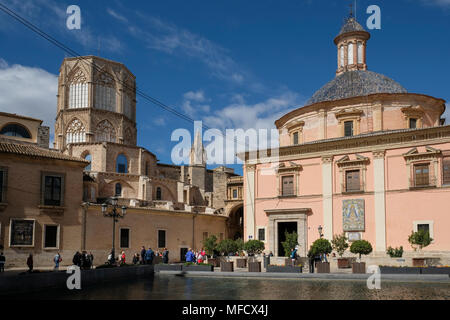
[(75, 132), (105, 93), (88, 157), (158, 193), (78, 91), (15, 130), (342, 57), (121, 164), (118, 190), (360, 52), (105, 132), (350, 54)]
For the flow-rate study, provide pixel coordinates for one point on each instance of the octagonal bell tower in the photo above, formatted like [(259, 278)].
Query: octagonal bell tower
[(96, 103)]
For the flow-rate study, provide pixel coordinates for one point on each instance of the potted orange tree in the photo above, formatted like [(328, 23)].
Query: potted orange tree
[(339, 244), (322, 247), (241, 261), (225, 247), (419, 240), (210, 245), (360, 247), (254, 247)]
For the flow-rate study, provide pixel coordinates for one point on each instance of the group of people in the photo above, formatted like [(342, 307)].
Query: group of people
[(314, 259), (147, 256), (83, 260), (198, 257)]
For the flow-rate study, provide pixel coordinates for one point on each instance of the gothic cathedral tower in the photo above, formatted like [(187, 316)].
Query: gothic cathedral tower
[(96, 103)]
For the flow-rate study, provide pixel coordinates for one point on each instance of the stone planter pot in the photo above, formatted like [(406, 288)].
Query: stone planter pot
[(435, 270), (418, 262), (254, 267), (204, 268), (241, 263), (214, 262), (168, 267), (284, 269), (226, 266), (343, 263), (323, 267), (359, 267), (399, 270)]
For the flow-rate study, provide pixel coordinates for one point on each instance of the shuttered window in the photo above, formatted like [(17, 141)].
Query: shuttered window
[(446, 170), (52, 191), (288, 185), (422, 175), (262, 234), (348, 128), (352, 180)]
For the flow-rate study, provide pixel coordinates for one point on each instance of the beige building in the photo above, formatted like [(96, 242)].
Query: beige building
[(95, 143)]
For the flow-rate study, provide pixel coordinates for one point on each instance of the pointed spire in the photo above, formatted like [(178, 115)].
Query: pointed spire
[(198, 155)]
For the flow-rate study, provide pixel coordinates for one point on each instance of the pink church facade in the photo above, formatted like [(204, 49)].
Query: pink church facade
[(363, 157)]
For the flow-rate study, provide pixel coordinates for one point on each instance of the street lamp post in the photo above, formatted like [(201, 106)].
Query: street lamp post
[(115, 214), (320, 231)]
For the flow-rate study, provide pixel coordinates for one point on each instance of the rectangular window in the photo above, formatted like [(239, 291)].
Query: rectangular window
[(295, 138), (422, 175), (348, 128), (22, 233), (124, 238), (288, 185), (235, 193), (412, 123), (161, 238), (446, 170), (262, 234), (424, 227), (352, 181), (51, 237), (52, 191)]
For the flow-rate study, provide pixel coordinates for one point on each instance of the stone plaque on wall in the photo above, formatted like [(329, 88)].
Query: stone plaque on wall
[(353, 215)]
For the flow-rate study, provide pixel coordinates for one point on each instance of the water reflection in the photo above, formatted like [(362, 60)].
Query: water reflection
[(162, 287)]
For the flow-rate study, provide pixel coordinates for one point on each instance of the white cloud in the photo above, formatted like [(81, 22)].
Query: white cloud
[(173, 40), (28, 91), (195, 103)]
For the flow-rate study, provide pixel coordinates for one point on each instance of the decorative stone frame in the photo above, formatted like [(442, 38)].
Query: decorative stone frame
[(265, 233), (429, 222), (296, 127), (431, 157), (288, 215), (352, 115), (283, 171), (345, 164), (415, 112), (49, 209), (58, 236)]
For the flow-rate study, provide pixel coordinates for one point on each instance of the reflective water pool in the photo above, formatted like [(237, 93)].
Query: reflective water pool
[(162, 287)]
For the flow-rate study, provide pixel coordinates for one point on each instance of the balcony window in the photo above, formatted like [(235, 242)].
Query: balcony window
[(422, 175), (287, 185), (446, 170), (348, 128), (52, 191), (353, 181)]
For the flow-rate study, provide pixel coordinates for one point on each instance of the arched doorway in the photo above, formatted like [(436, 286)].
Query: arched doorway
[(236, 222)]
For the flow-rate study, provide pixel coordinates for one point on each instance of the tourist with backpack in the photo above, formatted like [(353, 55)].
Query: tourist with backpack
[(293, 256), (149, 256), (57, 259)]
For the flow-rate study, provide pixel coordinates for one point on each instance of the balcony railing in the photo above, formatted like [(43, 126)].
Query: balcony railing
[(352, 189), (428, 182)]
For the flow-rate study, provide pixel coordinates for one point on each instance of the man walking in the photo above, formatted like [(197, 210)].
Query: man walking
[(30, 263), (57, 259)]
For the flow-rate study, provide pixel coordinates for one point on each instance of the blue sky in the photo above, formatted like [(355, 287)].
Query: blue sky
[(233, 64)]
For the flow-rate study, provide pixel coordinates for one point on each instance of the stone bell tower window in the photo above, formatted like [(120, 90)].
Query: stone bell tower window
[(350, 54)]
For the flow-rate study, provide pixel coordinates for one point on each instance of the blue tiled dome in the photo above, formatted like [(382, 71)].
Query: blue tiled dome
[(355, 84)]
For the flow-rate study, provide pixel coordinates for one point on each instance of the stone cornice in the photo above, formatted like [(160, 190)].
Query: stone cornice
[(288, 211), (372, 98), (360, 144)]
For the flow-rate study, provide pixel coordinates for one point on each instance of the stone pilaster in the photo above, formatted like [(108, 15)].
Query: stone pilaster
[(380, 200), (249, 212), (327, 191)]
